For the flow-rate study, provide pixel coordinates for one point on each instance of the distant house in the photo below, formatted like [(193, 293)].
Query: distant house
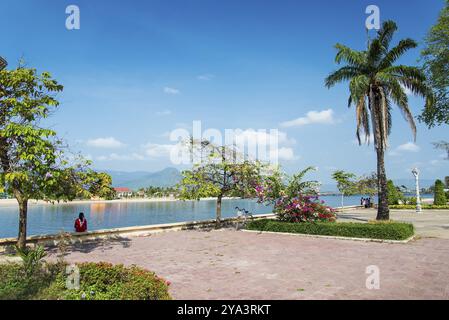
[(123, 192)]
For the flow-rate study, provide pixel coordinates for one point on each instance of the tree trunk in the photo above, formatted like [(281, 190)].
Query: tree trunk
[(383, 212), (23, 211), (218, 211), (342, 200)]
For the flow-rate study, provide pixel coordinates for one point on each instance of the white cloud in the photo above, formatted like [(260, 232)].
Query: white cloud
[(107, 143), (409, 147), (406, 147), (285, 153), (264, 139), (312, 117), (169, 90), (165, 112), (121, 157), (252, 136), (205, 77), (154, 150)]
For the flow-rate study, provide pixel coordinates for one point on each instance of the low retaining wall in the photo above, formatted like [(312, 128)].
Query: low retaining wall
[(52, 239), (74, 237)]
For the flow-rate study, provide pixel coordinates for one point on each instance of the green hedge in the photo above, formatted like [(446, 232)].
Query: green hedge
[(424, 206), (374, 230)]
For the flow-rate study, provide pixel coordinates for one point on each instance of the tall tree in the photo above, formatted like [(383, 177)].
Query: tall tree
[(436, 66), (345, 183), (220, 173), (375, 83), (32, 161)]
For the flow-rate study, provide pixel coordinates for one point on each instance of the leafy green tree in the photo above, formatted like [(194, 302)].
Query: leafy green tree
[(436, 66), (375, 83), (393, 193), (367, 184), (220, 175), (100, 185), (32, 161), (439, 195), (346, 183)]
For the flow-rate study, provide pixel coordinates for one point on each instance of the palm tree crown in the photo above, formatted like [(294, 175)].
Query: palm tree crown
[(375, 82)]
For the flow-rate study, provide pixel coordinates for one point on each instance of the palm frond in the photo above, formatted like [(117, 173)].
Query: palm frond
[(386, 32), (343, 74), (350, 56), (394, 54)]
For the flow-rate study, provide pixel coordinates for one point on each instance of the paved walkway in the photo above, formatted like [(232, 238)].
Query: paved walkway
[(228, 264)]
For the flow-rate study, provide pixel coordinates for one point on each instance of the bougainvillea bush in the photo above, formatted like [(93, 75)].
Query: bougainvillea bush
[(295, 201), (303, 209)]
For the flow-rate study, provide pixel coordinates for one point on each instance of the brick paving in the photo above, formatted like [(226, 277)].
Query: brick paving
[(229, 264)]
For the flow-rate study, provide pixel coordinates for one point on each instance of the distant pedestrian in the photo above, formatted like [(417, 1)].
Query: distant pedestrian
[(81, 223), (362, 201)]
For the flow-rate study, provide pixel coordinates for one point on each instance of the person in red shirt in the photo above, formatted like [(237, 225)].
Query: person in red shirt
[(81, 223)]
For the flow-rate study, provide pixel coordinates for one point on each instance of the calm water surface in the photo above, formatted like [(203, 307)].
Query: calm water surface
[(50, 219)]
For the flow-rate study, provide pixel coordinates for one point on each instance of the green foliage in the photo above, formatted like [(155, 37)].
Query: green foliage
[(439, 196), (379, 230), (436, 66), (224, 172), (278, 185), (393, 193), (31, 258), (367, 184), (100, 185), (104, 281), (98, 281), (33, 161), (346, 183), (16, 284)]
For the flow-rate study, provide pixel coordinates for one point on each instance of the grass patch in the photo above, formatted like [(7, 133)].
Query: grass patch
[(375, 230), (424, 206)]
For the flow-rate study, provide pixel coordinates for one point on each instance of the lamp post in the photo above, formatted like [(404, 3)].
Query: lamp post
[(3, 63), (415, 172)]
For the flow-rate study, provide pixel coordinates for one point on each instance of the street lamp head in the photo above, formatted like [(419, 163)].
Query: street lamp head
[(3, 63), (415, 172)]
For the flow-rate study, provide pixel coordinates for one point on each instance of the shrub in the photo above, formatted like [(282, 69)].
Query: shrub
[(375, 230), (104, 281), (440, 196), (303, 209), (98, 281)]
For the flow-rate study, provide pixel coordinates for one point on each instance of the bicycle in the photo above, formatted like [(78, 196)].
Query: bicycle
[(242, 214)]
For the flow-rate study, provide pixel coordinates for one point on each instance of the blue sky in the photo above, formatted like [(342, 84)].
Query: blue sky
[(137, 70)]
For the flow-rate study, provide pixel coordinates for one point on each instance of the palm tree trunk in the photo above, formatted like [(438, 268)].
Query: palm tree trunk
[(218, 211), (383, 212)]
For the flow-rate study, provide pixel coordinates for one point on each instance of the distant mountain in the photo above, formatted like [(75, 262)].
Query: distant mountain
[(167, 177)]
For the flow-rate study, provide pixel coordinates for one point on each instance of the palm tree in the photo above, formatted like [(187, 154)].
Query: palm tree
[(375, 82)]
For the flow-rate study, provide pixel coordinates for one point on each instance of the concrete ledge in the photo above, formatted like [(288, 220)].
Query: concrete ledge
[(53, 239), (333, 237), (73, 237)]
